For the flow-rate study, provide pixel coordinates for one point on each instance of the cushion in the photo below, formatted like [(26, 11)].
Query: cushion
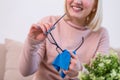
[(13, 49), (2, 60)]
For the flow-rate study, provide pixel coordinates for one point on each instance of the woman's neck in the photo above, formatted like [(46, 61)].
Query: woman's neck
[(79, 22), (76, 23)]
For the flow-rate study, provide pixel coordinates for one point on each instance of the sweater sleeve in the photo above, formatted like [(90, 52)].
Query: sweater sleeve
[(103, 45), (33, 52), (31, 56)]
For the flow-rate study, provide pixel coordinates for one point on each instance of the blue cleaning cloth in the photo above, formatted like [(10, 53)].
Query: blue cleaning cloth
[(62, 61)]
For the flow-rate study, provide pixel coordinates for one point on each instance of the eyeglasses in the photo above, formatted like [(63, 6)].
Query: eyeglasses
[(54, 42), (57, 63), (58, 48)]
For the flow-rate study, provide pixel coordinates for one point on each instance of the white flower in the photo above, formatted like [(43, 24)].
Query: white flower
[(113, 74), (101, 65)]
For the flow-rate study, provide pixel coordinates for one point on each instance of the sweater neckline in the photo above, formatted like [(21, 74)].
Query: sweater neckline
[(76, 26)]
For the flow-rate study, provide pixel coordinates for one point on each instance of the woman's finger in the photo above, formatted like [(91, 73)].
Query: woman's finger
[(73, 55), (48, 26)]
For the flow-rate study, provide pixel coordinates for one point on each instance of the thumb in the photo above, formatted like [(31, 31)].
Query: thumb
[(73, 55)]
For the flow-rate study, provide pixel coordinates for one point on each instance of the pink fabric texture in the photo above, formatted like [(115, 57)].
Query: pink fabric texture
[(37, 57)]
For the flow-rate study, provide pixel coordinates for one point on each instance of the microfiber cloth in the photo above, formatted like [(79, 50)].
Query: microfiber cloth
[(62, 61)]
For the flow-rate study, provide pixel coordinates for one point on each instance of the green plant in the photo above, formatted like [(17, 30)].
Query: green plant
[(105, 67)]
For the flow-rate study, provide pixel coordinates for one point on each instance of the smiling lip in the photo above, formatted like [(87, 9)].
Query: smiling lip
[(77, 8)]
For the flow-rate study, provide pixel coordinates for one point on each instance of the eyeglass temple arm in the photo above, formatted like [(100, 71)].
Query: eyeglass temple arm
[(79, 46), (53, 27)]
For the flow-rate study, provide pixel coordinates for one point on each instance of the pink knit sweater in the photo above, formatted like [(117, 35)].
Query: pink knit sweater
[(37, 56)]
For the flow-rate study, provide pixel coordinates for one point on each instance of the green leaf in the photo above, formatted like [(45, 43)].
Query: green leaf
[(103, 67)]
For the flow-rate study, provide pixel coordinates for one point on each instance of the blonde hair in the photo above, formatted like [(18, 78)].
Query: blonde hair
[(94, 19)]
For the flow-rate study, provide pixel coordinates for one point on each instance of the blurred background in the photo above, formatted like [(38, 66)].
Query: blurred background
[(16, 17)]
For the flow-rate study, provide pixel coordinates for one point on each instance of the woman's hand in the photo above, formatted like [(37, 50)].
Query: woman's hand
[(38, 31), (74, 67)]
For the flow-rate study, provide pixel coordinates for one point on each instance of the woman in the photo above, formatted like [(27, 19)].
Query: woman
[(82, 20)]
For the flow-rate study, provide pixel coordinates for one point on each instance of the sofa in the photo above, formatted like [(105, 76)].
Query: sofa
[(9, 58)]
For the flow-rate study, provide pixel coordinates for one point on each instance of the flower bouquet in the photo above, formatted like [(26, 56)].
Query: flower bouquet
[(105, 67)]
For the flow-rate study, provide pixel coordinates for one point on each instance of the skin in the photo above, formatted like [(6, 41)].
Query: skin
[(77, 10)]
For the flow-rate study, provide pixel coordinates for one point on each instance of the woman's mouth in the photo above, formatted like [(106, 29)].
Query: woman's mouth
[(77, 8)]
